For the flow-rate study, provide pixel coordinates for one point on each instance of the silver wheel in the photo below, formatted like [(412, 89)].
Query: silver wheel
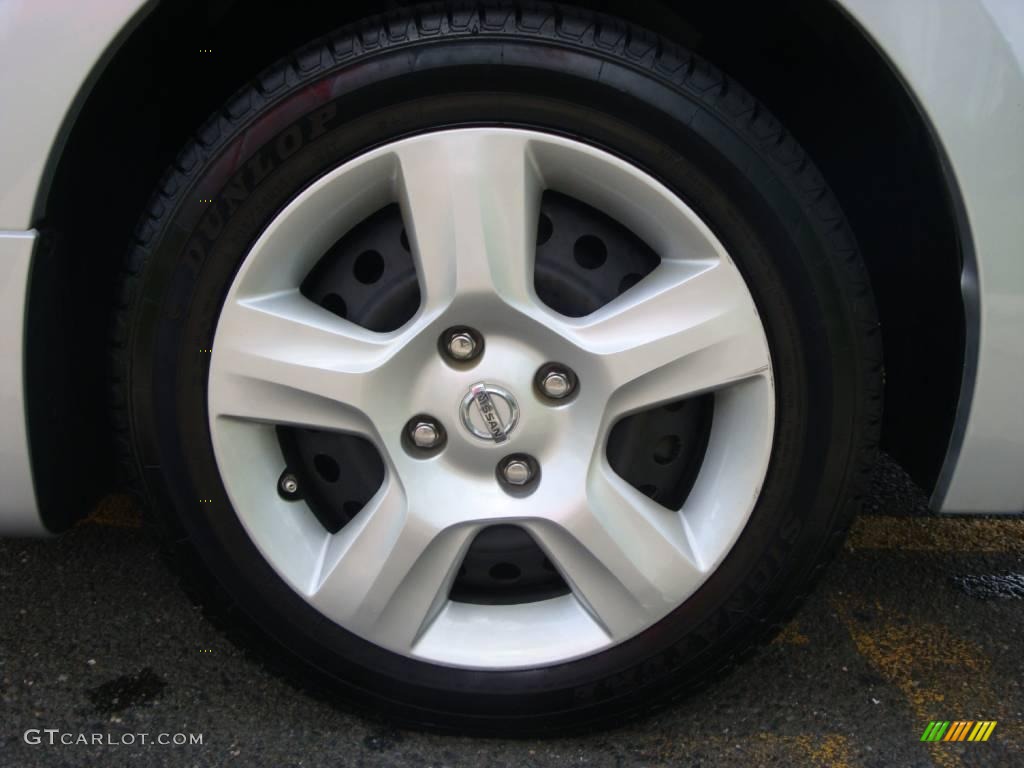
[(471, 202)]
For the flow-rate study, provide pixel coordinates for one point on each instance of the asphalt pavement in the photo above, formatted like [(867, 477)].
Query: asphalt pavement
[(919, 619)]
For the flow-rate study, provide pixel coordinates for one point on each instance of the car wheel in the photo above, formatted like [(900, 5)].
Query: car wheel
[(507, 369)]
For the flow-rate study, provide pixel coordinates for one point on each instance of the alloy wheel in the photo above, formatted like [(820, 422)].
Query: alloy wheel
[(490, 408)]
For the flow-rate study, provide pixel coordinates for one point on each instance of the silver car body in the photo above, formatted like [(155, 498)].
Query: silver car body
[(973, 102)]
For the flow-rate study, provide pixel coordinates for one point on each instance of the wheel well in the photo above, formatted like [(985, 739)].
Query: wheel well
[(803, 58)]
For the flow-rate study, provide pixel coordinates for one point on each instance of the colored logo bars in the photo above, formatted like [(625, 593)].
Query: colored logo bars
[(958, 730)]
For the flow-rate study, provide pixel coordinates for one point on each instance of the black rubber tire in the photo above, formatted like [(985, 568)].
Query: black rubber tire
[(550, 68)]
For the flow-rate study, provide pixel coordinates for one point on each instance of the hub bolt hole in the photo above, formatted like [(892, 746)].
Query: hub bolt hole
[(369, 267), (327, 467)]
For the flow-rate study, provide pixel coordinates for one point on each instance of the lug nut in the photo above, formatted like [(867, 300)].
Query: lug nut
[(556, 381), (461, 344), (424, 434), (289, 484), (517, 472), (556, 384)]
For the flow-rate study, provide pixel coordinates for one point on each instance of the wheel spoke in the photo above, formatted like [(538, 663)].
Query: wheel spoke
[(283, 360), (387, 574), (690, 327), (471, 202), (627, 559)]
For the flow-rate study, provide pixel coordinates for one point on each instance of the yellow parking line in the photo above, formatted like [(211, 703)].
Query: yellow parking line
[(927, 663), (115, 511), (937, 534), (791, 635), (818, 750)]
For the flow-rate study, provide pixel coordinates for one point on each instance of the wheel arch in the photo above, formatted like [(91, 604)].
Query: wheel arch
[(808, 61)]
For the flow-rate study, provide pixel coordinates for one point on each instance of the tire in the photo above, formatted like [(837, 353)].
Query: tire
[(563, 72)]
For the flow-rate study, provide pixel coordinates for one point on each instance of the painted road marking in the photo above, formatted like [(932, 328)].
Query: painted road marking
[(928, 664), (937, 534)]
